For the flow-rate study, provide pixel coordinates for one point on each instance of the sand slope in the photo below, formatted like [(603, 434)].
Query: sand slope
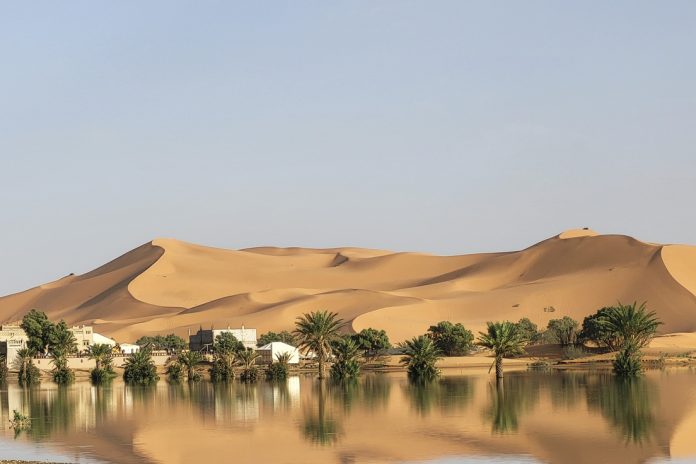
[(168, 285)]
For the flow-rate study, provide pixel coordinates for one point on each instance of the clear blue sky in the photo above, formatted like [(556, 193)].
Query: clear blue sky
[(446, 126)]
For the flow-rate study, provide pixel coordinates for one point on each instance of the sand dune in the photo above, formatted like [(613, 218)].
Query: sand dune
[(168, 285)]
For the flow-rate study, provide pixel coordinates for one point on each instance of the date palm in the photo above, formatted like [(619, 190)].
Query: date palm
[(420, 356), (189, 361), (315, 332), (504, 340), (630, 325), (247, 360), (101, 353)]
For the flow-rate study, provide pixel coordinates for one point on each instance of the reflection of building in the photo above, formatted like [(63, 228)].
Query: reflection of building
[(269, 353), (12, 339), (204, 338)]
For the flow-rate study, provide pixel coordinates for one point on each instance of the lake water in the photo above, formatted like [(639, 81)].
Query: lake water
[(557, 417)]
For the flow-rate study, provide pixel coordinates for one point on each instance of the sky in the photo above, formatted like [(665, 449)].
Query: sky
[(446, 127)]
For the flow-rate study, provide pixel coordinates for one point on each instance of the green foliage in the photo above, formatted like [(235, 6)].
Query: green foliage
[(528, 330), (3, 369), (372, 342), (174, 371), (169, 342), (222, 369), (504, 340), (19, 421), (451, 339), (346, 365), (189, 361), (38, 329), (574, 352), (140, 369), (564, 330), (61, 341), (420, 356), (247, 360), (103, 371), (29, 374), (594, 331), (629, 325), (228, 343), (627, 361), (284, 336), (316, 331), (61, 373), (279, 370)]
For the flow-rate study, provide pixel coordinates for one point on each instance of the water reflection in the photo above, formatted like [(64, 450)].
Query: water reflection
[(379, 417), (628, 404), (509, 399)]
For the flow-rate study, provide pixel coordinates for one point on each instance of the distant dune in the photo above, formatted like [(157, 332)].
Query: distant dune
[(172, 286)]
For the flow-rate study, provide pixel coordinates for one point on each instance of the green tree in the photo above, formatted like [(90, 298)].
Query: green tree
[(627, 362), (222, 369), (103, 371), (564, 330), (504, 340), (189, 361), (420, 356), (62, 374), (247, 360), (630, 325), (29, 374), (594, 331), (38, 329), (279, 369), (372, 342), (140, 369), (346, 365), (3, 369), (61, 340), (284, 336), (227, 342), (528, 330), (316, 331), (451, 339)]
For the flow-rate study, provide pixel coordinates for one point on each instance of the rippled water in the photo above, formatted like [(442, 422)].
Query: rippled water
[(559, 417)]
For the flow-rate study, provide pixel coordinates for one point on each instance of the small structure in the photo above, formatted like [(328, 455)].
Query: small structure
[(129, 348), (204, 339), (269, 352), (12, 339)]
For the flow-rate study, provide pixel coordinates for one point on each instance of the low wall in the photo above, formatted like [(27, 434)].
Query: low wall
[(76, 362)]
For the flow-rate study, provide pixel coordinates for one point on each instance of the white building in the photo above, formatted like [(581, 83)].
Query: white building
[(99, 339), (129, 348), (270, 352), (12, 339), (204, 339), (84, 336)]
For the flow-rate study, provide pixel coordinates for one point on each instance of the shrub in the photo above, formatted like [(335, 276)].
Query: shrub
[(574, 352), (279, 370), (372, 342), (62, 374), (140, 369), (222, 369), (420, 357), (170, 342), (174, 371), (564, 330), (247, 360), (627, 362), (451, 339), (29, 374)]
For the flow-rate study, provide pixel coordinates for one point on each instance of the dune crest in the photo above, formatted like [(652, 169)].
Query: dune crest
[(172, 286)]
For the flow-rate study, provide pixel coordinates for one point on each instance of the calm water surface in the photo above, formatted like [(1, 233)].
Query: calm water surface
[(557, 417)]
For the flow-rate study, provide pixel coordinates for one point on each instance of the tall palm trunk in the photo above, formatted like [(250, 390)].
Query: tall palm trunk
[(498, 367), (321, 365)]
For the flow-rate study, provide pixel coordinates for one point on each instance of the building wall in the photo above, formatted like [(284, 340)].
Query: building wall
[(204, 337)]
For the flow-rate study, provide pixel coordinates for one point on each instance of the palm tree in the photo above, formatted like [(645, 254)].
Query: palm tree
[(247, 359), (630, 325), (222, 369), (101, 353), (346, 365), (139, 368), (505, 340), (315, 332), (29, 374), (279, 369), (420, 356), (189, 360)]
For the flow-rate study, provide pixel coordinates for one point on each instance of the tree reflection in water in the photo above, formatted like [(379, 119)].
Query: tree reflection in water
[(449, 394), (319, 426), (627, 404), (509, 399), (50, 411)]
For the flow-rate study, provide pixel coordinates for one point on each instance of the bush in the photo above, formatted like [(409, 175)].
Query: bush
[(277, 372), (62, 374), (175, 372), (101, 376), (451, 339), (169, 342), (346, 364), (528, 330), (269, 337), (420, 357), (249, 374), (373, 343), (564, 330), (222, 369), (574, 352), (140, 369)]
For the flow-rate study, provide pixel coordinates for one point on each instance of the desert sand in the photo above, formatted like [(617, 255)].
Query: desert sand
[(172, 286)]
